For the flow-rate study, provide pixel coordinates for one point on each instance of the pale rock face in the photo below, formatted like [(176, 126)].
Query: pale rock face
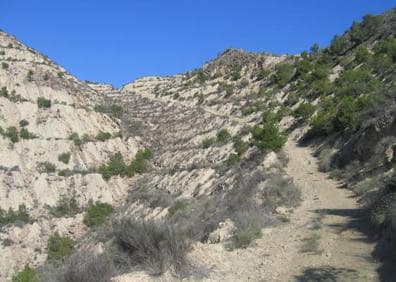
[(29, 76), (223, 232)]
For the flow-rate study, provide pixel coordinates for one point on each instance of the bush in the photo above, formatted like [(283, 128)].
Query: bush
[(46, 167), (29, 76), (304, 111), (325, 159), (362, 55), (233, 159), (103, 136), (368, 27), (240, 146), (249, 225), (64, 157), (12, 134), (207, 142), (263, 74), (267, 136), (89, 267), (177, 206), (388, 47), (4, 66), (59, 247), (223, 135), (4, 92), (97, 213), (284, 73), (28, 274), (115, 166), (43, 102), (355, 83), (25, 134), (66, 207), (77, 140), (14, 217), (140, 163), (23, 123), (155, 245), (280, 191), (339, 44), (113, 110)]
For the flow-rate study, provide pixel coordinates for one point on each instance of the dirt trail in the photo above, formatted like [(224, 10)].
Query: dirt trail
[(322, 241)]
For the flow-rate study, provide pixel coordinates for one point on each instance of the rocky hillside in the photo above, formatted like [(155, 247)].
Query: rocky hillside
[(100, 183), (52, 145)]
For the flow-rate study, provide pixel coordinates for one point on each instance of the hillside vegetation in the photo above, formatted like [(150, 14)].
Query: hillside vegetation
[(188, 176)]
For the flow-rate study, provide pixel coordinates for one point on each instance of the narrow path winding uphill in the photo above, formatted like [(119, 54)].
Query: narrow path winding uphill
[(322, 242), (330, 225)]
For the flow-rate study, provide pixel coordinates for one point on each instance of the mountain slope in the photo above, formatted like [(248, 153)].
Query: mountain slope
[(216, 196)]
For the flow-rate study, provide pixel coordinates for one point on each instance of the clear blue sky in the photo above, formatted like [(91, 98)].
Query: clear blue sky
[(117, 41)]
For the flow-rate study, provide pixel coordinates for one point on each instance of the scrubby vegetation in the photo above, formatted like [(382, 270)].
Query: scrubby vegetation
[(267, 136), (103, 136), (25, 134), (64, 157), (21, 216), (113, 110), (66, 207), (117, 166), (46, 167), (59, 247), (43, 102), (96, 213), (28, 274), (155, 245)]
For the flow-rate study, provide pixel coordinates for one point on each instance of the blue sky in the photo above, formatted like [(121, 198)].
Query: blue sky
[(118, 41)]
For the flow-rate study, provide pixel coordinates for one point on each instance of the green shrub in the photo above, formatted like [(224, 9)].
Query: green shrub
[(25, 134), (207, 142), (223, 135), (113, 110), (12, 134), (177, 206), (267, 135), (46, 167), (304, 111), (29, 76), (338, 45), (240, 146), (356, 82), (387, 47), (140, 163), (66, 207), (97, 213), (233, 159), (4, 92), (64, 157), (362, 55), (14, 217), (43, 102), (59, 247), (76, 139), (103, 136), (350, 112), (115, 166), (28, 274), (4, 66), (284, 73), (368, 27), (263, 74), (23, 123)]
